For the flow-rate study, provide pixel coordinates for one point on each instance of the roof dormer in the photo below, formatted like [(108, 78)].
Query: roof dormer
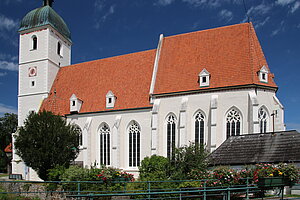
[(110, 99), (263, 74), (75, 104), (204, 77)]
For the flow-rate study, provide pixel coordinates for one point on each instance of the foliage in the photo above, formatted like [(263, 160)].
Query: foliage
[(154, 168), (288, 171), (187, 159), (45, 141), (102, 179), (8, 125)]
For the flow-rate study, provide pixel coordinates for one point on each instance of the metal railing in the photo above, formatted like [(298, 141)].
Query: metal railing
[(172, 189)]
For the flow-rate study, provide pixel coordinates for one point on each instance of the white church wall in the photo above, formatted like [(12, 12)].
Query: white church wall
[(27, 54), (142, 117), (64, 58)]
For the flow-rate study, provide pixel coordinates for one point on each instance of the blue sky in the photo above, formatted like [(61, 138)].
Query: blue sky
[(105, 28)]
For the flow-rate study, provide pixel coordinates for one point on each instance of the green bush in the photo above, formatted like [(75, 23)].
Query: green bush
[(154, 168)]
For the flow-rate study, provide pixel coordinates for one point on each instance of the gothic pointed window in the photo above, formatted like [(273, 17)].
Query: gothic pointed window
[(263, 120), (104, 136), (171, 133), (134, 132), (199, 128), (34, 42), (80, 138), (233, 123)]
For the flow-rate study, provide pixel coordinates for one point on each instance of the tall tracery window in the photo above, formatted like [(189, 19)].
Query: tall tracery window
[(34, 42), (134, 131), (104, 133), (233, 123), (80, 140), (199, 128), (262, 118), (171, 139)]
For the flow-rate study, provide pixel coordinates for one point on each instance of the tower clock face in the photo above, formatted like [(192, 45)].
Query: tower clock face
[(32, 71)]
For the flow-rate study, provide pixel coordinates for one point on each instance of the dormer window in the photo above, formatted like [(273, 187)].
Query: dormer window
[(75, 104), (204, 77), (263, 74), (110, 100)]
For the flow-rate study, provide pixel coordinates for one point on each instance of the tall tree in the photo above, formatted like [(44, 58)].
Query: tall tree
[(8, 125), (46, 141)]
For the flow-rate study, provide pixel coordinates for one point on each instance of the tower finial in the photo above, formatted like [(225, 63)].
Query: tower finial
[(48, 2)]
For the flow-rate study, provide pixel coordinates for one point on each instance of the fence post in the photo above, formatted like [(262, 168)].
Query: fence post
[(228, 193), (247, 191), (149, 189), (204, 193), (78, 189)]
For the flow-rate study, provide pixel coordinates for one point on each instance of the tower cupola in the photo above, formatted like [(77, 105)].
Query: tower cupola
[(45, 16)]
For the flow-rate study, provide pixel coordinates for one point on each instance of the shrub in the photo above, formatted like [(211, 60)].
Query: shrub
[(154, 168)]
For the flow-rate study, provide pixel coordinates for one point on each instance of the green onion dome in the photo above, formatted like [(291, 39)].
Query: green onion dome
[(45, 16)]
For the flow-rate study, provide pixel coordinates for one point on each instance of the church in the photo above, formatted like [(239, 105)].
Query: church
[(201, 87)]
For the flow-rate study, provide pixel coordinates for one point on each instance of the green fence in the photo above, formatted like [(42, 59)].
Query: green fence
[(181, 189)]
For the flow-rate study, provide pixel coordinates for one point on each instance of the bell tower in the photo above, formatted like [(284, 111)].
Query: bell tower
[(45, 47)]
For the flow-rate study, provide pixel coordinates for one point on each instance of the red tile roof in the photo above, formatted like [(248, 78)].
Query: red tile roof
[(232, 55), (8, 149), (127, 76)]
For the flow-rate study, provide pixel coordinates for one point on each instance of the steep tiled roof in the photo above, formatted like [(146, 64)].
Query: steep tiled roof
[(232, 55), (8, 149), (127, 76), (258, 148)]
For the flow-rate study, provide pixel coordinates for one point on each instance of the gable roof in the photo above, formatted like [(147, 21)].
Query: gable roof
[(258, 148), (231, 54), (127, 76)]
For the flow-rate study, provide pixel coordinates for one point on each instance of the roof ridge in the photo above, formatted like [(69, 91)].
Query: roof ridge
[(206, 30), (107, 58)]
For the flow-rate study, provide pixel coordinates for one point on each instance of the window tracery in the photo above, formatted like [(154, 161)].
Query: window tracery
[(134, 144), (233, 123), (104, 132)]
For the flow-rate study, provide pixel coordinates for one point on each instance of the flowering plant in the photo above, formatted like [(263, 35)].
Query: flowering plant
[(111, 174)]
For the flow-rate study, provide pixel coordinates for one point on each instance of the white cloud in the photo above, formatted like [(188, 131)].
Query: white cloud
[(11, 66), (226, 14), (7, 109), (100, 5), (3, 74), (260, 9), (295, 6), (209, 3), (261, 23), (279, 29), (164, 2), (284, 2), (7, 23)]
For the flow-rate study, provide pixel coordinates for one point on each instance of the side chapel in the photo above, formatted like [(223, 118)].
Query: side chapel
[(201, 87)]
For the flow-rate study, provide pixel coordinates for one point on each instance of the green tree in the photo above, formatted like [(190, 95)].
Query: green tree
[(154, 168), (8, 125), (46, 141), (186, 159)]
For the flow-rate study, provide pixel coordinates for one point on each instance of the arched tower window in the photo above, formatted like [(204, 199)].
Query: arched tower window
[(199, 128), (134, 132), (263, 119), (59, 47), (34, 42), (104, 133), (171, 136), (233, 123)]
